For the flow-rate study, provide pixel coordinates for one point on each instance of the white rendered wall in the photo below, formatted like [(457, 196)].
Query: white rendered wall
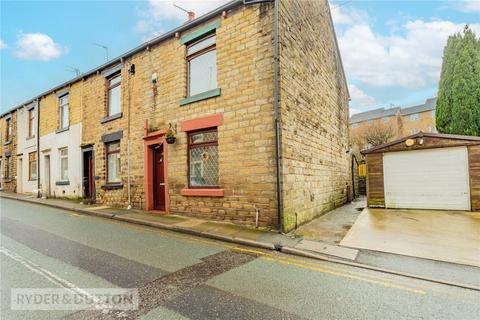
[(50, 145)]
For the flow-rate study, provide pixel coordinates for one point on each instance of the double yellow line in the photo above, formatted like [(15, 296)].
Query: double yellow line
[(377, 280), (344, 274)]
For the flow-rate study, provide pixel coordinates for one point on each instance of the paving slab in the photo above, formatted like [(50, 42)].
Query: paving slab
[(451, 236), (325, 248), (332, 226)]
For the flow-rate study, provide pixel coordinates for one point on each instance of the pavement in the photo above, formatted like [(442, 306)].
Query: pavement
[(183, 276), (332, 226), (320, 245), (450, 236)]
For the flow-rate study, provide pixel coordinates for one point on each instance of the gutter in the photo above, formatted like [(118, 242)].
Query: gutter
[(184, 27), (277, 117)]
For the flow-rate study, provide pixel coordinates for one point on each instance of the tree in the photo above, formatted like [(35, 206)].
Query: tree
[(458, 101), (373, 135)]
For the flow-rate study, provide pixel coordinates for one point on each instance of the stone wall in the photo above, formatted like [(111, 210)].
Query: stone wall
[(314, 113), (244, 49), (9, 183)]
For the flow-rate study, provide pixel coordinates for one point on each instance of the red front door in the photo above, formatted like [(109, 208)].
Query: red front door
[(158, 178)]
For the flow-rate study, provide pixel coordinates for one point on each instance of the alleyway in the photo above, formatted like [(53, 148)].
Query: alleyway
[(185, 277)]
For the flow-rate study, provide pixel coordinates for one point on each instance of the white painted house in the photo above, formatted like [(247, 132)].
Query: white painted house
[(61, 159), (27, 158)]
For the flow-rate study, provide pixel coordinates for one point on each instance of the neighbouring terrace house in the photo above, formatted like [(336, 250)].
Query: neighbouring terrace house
[(60, 139), (8, 160), (27, 166), (252, 100)]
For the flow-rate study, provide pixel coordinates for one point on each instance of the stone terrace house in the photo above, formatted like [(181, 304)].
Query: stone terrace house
[(8, 157), (27, 167), (213, 86)]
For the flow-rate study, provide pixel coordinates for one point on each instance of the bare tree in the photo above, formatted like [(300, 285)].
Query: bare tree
[(372, 135)]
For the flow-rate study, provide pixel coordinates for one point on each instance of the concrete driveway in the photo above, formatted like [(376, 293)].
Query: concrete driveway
[(450, 236)]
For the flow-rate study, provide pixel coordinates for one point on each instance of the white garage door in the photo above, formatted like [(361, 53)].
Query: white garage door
[(427, 179)]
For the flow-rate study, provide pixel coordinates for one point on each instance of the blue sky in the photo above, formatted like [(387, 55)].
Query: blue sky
[(391, 49)]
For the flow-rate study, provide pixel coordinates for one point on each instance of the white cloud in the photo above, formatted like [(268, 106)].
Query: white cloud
[(37, 46), (470, 6), (353, 111), (2, 44), (359, 98), (411, 58), (158, 11), (348, 16)]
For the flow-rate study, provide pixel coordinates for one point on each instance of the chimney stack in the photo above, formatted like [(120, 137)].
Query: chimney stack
[(191, 15)]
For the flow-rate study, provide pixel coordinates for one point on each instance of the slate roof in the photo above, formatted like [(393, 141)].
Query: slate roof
[(382, 112)]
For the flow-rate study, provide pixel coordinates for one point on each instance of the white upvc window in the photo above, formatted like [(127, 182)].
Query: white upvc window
[(202, 65), (63, 154), (113, 162), (64, 112), (414, 116), (114, 95)]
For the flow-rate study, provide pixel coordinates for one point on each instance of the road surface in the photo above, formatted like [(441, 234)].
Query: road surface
[(185, 277)]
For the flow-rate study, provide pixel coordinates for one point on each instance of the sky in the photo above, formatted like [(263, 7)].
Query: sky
[(391, 50)]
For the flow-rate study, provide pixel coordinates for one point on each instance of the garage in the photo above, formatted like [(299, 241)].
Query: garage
[(425, 171)]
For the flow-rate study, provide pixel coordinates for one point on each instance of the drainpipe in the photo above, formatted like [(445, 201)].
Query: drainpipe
[(131, 71), (354, 158), (38, 148), (277, 120)]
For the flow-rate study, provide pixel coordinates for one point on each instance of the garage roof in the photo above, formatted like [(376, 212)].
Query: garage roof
[(384, 146)]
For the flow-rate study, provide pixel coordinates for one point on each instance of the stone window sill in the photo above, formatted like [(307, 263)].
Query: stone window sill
[(111, 118), (201, 96), (112, 186), (62, 130), (32, 179), (30, 138), (7, 180), (62, 183), (187, 192), (7, 142)]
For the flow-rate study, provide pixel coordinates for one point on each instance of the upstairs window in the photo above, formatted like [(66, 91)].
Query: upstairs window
[(385, 119), (113, 162), (31, 122), (203, 158), (32, 166), (354, 125), (64, 112), (63, 164), (114, 95), (202, 65), (8, 131), (414, 116)]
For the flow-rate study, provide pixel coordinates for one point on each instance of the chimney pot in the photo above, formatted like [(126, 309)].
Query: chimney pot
[(191, 15)]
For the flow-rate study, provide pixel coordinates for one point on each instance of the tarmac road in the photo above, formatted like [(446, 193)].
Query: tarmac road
[(186, 277)]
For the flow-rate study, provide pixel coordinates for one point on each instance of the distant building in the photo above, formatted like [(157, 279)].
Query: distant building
[(404, 121)]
